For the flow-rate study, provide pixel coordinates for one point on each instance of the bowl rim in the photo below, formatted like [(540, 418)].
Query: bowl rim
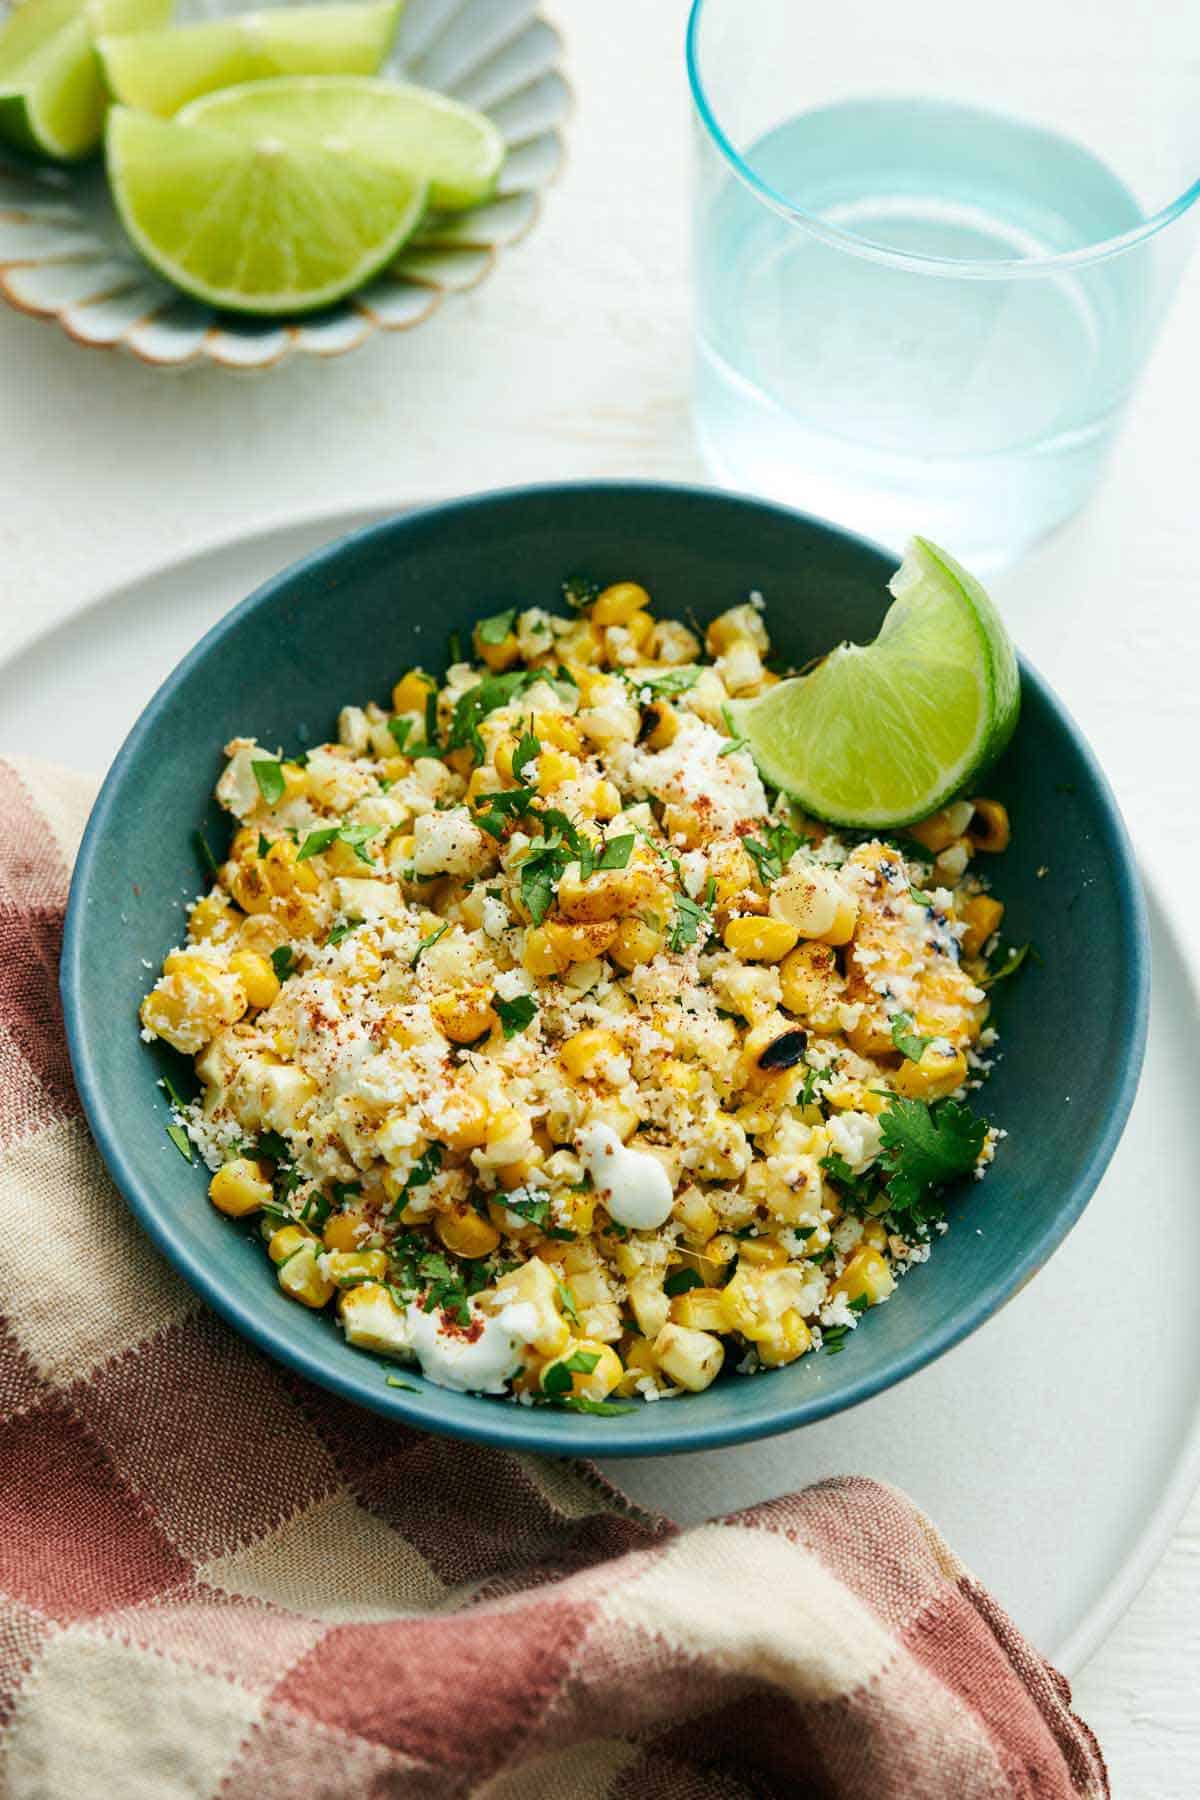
[(524, 1428)]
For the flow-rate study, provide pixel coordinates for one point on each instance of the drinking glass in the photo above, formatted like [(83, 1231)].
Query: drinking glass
[(933, 246)]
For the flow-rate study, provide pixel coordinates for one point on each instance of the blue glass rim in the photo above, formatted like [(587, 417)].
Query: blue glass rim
[(950, 267)]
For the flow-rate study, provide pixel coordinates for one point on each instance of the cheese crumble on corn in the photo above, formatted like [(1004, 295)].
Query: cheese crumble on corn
[(552, 1050)]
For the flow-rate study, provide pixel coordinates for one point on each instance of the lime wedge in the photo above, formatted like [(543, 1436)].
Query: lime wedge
[(257, 223), (455, 149), (52, 100), (880, 735), (160, 71)]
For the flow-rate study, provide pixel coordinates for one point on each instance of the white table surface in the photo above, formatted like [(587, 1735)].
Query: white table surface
[(573, 361)]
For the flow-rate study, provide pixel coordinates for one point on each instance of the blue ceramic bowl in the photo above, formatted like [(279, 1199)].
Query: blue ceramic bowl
[(339, 627)]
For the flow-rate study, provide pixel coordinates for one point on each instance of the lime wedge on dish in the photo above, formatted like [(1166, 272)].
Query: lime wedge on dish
[(52, 100), (111, 16), (455, 149), (160, 71), (255, 222), (882, 734)]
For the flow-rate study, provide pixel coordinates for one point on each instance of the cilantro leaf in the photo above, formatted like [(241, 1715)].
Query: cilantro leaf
[(204, 852), (420, 1175), (181, 1141), (856, 1190), (909, 1043), (601, 1409), (485, 697), (690, 918), (557, 1380), (534, 1211), (435, 937), (735, 740), (671, 681), (340, 932), (566, 1300), (504, 805), (525, 752), (773, 857), (356, 836), (923, 1147), (316, 841), (514, 1015), (616, 853), (269, 776), (497, 628), (283, 961), (579, 591), (680, 1280), (1012, 959)]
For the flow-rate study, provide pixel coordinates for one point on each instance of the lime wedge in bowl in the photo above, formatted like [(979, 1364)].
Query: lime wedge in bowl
[(254, 222), (879, 735), (52, 100), (457, 150), (161, 71)]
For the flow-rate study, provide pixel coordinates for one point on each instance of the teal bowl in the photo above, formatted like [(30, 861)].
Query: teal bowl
[(339, 627)]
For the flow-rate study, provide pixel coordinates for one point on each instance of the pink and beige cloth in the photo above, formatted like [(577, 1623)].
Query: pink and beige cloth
[(218, 1583)]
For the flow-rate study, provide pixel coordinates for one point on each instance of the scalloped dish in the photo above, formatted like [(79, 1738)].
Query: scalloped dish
[(553, 1050)]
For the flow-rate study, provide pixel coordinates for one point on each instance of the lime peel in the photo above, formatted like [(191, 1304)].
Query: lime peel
[(880, 735)]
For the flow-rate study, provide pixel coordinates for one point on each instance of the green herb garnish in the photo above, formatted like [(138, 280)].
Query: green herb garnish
[(680, 1280), (485, 697), (204, 852), (773, 857), (269, 776), (526, 751), (616, 853), (909, 1043), (579, 591), (1007, 963), (735, 741), (435, 937), (516, 1014), (923, 1147), (181, 1141), (283, 961), (497, 628), (567, 1301), (690, 919), (671, 681), (341, 932)]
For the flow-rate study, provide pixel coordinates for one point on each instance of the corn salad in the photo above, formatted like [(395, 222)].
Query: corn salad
[(553, 1051)]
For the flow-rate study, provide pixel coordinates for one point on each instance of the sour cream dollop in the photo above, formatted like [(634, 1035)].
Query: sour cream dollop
[(634, 1187), (475, 1361)]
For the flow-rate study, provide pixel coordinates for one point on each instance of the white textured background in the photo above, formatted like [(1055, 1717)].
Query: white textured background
[(572, 361)]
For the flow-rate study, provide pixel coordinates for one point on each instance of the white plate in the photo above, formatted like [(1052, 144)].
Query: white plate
[(1058, 1448)]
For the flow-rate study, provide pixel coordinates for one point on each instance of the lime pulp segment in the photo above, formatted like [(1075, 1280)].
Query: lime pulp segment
[(257, 224), (880, 735), (456, 150), (161, 71)]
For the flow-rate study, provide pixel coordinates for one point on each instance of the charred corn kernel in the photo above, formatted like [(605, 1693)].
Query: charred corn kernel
[(700, 1309), (558, 730), (709, 1260), (660, 725), (462, 1121), (865, 1277), (411, 691), (981, 916), (606, 893), (498, 657), (691, 1358), (940, 829), (299, 1276), (871, 1035), (578, 942), (810, 980), (760, 940), (460, 761), (465, 1233), (787, 1338), (989, 828), (537, 1283), (464, 1014), (635, 942), (256, 976), (585, 1055), (285, 872), (345, 1267), (240, 1187), (212, 920), (343, 1231), (941, 1069), (762, 1252), (603, 800), (814, 901), (617, 604), (598, 1372), (696, 1214), (372, 1320), (553, 768)]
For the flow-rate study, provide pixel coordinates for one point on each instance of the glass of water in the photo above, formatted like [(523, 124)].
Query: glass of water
[(933, 247)]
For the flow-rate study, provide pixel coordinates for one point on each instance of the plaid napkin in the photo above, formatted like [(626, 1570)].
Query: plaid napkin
[(216, 1581)]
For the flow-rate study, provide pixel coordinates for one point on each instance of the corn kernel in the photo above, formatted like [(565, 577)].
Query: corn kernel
[(636, 942), (558, 730), (540, 956), (537, 1283), (700, 1309), (989, 829), (941, 1069), (810, 980), (345, 1267), (554, 767), (342, 1231), (295, 1254), (462, 1121), (618, 604), (581, 942), (693, 1359), (212, 920), (814, 901), (606, 893), (465, 1233), (593, 1383), (463, 1014), (660, 725), (865, 1277), (787, 1338), (760, 940), (497, 657), (695, 1213), (411, 691), (981, 915), (940, 829), (256, 976), (584, 1055), (762, 1252), (240, 1187)]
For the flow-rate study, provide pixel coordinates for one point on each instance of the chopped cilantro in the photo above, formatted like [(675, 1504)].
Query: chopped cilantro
[(856, 1190), (273, 1146), (671, 681), (690, 919), (434, 937), (431, 718), (773, 857), (401, 730), (492, 692), (341, 932), (172, 1092), (525, 752), (581, 1362), (283, 961), (680, 1280), (534, 1211), (181, 1141), (514, 1015), (419, 1176), (356, 836), (545, 860), (808, 1093), (316, 841), (909, 1043), (735, 741), (394, 1381), (264, 845), (503, 806), (601, 1409), (497, 628), (204, 852), (579, 591), (616, 853), (923, 1147), (566, 1300), (1007, 963), (557, 1381), (269, 776)]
